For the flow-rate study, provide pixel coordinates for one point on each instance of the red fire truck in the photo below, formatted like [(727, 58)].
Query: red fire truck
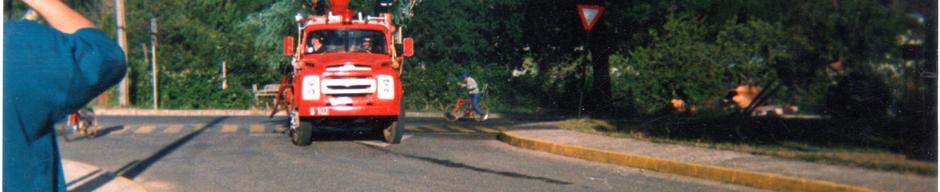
[(345, 75)]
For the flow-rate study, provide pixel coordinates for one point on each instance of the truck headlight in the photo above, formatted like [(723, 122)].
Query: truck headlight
[(311, 88), (386, 87)]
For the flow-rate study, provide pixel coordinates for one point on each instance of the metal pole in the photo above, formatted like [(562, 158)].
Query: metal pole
[(123, 97), (224, 75), (143, 46), (586, 50), (153, 50)]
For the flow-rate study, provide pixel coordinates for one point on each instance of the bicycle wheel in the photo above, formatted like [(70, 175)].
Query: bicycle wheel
[(67, 131), (88, 130), (451, 117)]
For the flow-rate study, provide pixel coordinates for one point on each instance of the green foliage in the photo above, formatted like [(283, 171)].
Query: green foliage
[(194, 38), (462, 36), (267, 28), (692, 61), (681, 64), (658, 50), (753, 51)]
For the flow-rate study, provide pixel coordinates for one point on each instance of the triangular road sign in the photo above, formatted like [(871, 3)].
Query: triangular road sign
[(589, 15)]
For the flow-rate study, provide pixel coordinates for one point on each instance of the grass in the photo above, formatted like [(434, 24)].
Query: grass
[(711, 133)]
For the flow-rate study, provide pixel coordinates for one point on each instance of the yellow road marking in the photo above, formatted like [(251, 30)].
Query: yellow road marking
[(460, 129), (199, 127), (123, 129), (488, 130), (411, 128), (229, 128), (257, 128), (147, 129), (420, 129), (436, 128), (173, 129)]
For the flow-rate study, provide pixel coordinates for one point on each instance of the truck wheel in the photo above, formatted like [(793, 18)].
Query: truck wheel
[(302, 130), (302, 136), (393, 132)]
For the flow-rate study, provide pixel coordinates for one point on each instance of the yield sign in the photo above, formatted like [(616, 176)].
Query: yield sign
[(589, 15)]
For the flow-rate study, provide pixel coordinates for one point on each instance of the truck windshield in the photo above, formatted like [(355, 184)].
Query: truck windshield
[(345, 41)]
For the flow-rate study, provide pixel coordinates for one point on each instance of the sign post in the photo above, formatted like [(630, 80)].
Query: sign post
[(589, 14)]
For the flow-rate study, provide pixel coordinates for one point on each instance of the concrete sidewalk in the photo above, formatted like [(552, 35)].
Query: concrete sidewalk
[(85, 177), (726, 166)]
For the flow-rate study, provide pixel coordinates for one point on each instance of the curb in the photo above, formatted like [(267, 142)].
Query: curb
[(709, 172), (121, 179)]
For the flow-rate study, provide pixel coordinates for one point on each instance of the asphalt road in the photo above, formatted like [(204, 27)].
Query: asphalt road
[(249, 154)]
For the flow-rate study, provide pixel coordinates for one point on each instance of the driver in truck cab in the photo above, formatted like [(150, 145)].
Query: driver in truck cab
[(366, 45), (473, 91), (315, 44)]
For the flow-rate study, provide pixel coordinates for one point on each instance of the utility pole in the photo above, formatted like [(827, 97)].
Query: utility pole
[(153, 51), (143, 46), (123, 97), (224, 75)]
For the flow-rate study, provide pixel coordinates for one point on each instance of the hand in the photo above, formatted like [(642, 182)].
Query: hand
[(59, 15)]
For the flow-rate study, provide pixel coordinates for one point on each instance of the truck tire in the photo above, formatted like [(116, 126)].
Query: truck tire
[(393, 132), (302, 135)]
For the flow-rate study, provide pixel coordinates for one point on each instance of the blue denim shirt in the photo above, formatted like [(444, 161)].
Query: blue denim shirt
[(47, 75)]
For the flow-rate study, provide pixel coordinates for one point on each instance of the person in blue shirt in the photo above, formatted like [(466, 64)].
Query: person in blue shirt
[(49, 71)]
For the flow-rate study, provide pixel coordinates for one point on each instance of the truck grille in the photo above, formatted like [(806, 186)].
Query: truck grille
[(348, 86), (349, 67)]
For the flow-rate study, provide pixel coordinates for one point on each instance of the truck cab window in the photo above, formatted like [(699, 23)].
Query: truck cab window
[(346, 41)]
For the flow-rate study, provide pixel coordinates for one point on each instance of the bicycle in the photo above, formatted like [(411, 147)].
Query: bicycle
[(82, 122), (463, 109)]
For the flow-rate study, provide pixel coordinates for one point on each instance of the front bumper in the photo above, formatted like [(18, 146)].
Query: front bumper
[(349, 111)]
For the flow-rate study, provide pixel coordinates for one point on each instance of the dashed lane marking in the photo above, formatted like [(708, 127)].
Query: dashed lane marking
[(488, 130), (418, 129), (257, 128), (461, 129), (436, 128), (424, 129), (228, 128), (147, 129), (173, 129), (199, 127), (122, 130), (375, 143)]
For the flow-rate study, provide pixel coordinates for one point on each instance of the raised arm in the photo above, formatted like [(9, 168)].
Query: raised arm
[(59, 15)]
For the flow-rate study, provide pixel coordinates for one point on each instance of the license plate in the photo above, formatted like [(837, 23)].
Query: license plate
[(338, 101)]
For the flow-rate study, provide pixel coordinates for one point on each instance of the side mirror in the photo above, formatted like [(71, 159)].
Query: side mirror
[(288, 46), (408, 45)]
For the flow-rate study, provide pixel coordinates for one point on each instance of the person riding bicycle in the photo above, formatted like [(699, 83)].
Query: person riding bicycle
[(473, 91)]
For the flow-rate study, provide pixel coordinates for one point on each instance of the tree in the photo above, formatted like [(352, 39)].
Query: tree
[(480, 37), (680, 63)]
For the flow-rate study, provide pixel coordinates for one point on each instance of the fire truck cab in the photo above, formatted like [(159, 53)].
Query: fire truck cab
[(345, 75)]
